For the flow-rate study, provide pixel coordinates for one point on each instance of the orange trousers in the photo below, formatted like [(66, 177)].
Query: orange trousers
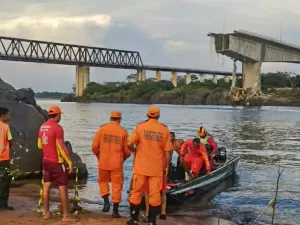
[(116, 179), (138, 186)]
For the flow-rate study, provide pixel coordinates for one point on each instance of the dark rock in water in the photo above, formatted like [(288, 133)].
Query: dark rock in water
[(26, 119), (68, 98)]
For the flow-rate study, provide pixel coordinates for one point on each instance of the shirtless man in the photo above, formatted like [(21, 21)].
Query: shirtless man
[(177, 143)]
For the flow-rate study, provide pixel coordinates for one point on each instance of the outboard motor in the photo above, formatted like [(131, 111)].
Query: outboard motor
[(221, 155)]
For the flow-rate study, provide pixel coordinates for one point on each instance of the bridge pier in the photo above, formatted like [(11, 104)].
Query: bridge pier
[(158, 76), (188, 78), (174, 79), (82, 79), (141, 75), (202, 78), (251, 76), (226, 79), (215, 79)]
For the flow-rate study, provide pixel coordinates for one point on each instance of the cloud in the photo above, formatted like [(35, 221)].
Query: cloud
[(53, 23), (173, 46), (165, 32)]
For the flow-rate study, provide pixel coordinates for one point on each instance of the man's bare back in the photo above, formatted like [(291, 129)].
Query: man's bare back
[(177, 143)]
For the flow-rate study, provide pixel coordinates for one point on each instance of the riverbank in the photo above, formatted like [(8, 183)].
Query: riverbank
[(151, 92), (24, 199)]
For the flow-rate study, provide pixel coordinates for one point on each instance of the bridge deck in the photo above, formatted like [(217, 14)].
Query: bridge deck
[(187, 70), (248, 46)]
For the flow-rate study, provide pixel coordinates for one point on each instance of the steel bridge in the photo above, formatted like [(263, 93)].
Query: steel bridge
[(84, 57), (16, 49)]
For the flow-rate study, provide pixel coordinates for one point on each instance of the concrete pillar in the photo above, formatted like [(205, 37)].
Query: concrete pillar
[(174, 79), (188, 78), (251, 76), (202, 78), (82, 79), (215, 80), (233, 77), (226, 79), (141, 75), (158, 76)]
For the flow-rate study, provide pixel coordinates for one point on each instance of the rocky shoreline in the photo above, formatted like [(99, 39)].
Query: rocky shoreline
[(26, 118), (203, 98)]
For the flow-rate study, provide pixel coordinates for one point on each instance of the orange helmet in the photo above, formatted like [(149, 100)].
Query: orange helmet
[(201, 132)]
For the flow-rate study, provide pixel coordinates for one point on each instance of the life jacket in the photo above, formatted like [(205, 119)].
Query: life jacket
[(207, 146)]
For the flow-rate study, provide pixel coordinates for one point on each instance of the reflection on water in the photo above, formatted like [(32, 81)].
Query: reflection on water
[(263, 137)]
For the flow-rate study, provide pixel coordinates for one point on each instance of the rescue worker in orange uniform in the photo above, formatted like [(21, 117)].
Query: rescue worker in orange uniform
[(150, 141), (110, 147), (196, 157), (209, 143), (176, 143), (163, 190), (55, 156), (5, 146)]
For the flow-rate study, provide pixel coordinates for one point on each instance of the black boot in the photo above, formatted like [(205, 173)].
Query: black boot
[(115, 213), (134, 215), (153, 213), (106, 206), (163, 217)]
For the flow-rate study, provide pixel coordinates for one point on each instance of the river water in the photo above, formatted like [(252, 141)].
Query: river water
[(263, 137)]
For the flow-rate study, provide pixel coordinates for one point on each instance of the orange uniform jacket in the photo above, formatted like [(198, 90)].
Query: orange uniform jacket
[(198, 152), (5, 137), (110, 145), (153, 141)]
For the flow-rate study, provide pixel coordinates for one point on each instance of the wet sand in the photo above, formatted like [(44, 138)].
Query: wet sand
[(24, 199)]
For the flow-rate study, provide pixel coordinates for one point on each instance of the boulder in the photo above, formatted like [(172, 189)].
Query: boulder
[(26, 119), (68, 98)]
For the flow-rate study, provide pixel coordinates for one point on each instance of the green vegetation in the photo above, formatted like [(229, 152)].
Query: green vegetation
[(285, 85), (278, 84), (53, 95), (148, 88)]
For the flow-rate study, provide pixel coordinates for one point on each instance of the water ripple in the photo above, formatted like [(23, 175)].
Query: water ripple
[(264, 137)]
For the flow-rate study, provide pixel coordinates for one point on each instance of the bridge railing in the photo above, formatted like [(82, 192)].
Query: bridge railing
[(16, 49)]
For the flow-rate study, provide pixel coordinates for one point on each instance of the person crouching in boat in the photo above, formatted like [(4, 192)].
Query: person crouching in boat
[(196, 157), (177, 144), (210, 145)]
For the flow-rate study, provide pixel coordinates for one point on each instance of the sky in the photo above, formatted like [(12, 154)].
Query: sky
[(165, 32)]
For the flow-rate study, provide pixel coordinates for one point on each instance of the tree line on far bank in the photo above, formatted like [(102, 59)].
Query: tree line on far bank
[(52, 95), (269, 82)]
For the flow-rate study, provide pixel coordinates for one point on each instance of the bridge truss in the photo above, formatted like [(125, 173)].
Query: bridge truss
[(16, 49)]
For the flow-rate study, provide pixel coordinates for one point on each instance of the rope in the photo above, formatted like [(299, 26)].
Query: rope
[(271, 203), (77, 206), (76, 201), (40, 197), (17, 173)]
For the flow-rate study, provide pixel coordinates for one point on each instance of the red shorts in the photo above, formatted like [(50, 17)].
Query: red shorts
[(195, 163), (55, 172), (163, 185)]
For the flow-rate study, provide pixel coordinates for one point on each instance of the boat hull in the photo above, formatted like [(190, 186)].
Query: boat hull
[(193, 189)]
